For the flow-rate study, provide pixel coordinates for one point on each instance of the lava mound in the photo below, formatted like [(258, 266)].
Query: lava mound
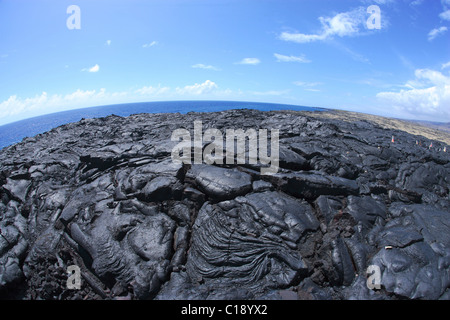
[(348, 213)]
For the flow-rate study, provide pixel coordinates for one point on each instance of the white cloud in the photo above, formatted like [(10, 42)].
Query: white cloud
[(206, 89), (250, 61), (151, 44), (427, 97), (95, 68), (445, 15), (283, 58), (312, 90), (108, 42), (436, 32), (16, 108), (301, 38), (197, 89), (152, 91), (445, 65), (307, 84), (206, 67), (342, 25)]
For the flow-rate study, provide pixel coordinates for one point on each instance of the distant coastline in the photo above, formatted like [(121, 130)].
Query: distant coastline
[(14, 132)]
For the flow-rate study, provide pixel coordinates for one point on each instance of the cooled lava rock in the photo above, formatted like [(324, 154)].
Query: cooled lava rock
[(105, 195)]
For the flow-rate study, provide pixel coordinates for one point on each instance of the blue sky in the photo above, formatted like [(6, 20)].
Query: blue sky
[(306, 52)]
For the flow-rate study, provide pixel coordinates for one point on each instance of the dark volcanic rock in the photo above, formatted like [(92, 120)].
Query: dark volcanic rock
[(365, 209), (311, 185), (105, 195), (220, 183), (250, 241)]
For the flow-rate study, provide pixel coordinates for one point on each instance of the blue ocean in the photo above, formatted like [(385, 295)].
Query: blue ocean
[(14, 132)]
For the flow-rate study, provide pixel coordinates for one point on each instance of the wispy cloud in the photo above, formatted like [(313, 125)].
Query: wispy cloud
[(301, 37), (283, 58), (250, 61), (416, 3), (312, 90), (308, 86), (405, 61), (95, 68), (108, 42), (342, 25), (436, 32), (204, 66), (445, 65), (351, 53), (445, 15), (152, 91), (151, 44)]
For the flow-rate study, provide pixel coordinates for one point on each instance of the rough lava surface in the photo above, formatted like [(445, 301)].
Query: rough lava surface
[(105, 195)]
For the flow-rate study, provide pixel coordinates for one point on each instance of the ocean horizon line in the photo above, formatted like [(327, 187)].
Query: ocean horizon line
[(14, 132)]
